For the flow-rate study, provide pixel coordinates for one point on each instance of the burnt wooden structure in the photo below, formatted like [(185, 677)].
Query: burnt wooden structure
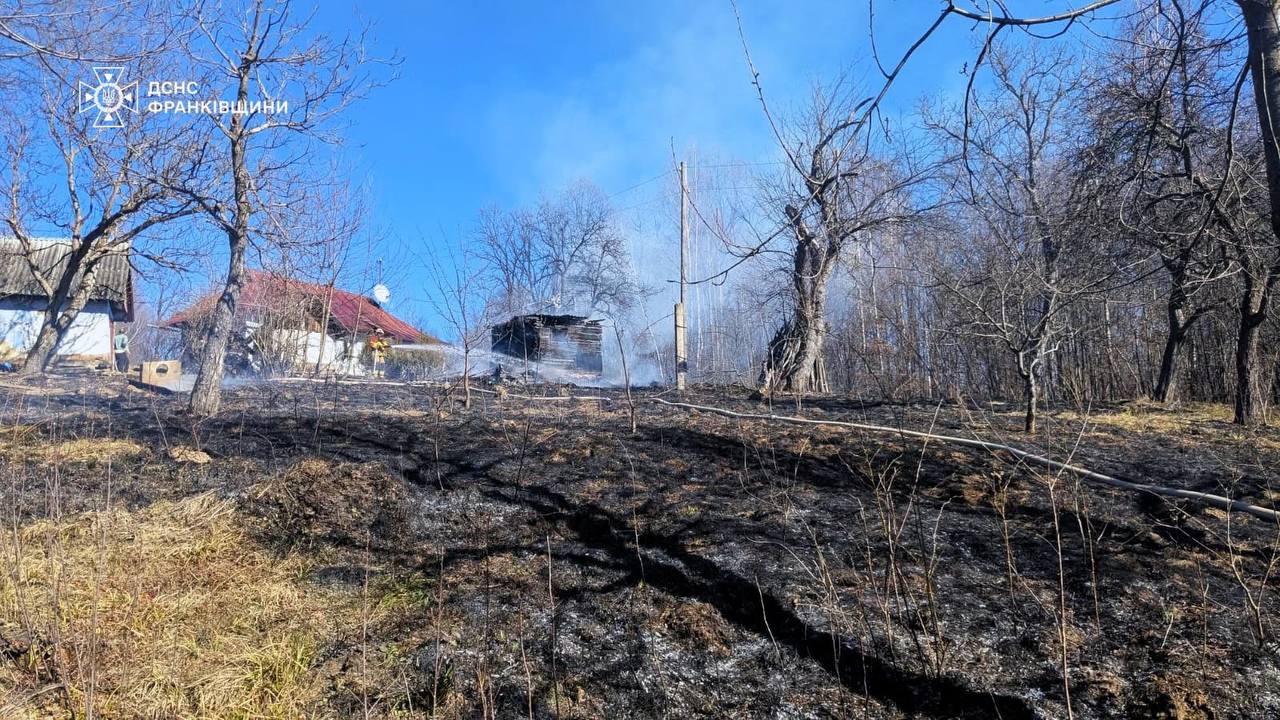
[(571, 343)]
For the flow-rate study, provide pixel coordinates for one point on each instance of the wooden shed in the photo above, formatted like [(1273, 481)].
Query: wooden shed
[(565, 342)]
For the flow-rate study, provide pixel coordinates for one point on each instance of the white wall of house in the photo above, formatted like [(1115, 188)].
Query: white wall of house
[(308, 348), (20, 319)]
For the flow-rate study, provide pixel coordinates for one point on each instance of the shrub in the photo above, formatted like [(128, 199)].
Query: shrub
[(404, 364)]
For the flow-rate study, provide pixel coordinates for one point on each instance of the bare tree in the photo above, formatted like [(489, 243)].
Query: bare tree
[(458, 295), (112, 191), (511, 253), (270, 66), (1256, 253), (1259, 256), (1161, 138), (319, 251), (567, 253), (73, 30), (840, 187), (1018, 275)]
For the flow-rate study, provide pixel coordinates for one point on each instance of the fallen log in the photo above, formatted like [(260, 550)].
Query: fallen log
[(1216, 501)]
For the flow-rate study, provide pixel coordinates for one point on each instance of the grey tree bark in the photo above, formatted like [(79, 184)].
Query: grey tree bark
[(206, 394), (307, 81), (1179, 324), (794, 362), (841, 190), (64, 307)]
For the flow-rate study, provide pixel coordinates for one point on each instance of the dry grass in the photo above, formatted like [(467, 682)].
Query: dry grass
[(22, 442), (697, 624), (192, 619), (1149, 417)]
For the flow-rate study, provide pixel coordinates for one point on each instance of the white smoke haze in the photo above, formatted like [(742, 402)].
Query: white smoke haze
[(641, 369)]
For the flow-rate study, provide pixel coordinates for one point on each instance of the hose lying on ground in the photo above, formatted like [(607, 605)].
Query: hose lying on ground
[(1216, 501)]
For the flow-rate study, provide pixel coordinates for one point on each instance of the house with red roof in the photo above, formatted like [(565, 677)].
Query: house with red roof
[(287, 325)]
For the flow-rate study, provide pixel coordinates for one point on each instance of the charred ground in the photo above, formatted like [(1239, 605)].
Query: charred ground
[(399, 555)]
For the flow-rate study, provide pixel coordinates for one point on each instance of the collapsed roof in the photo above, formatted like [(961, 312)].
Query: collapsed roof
[(566, 342)]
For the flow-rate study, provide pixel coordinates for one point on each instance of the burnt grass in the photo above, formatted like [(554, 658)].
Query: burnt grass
[(560, 566)]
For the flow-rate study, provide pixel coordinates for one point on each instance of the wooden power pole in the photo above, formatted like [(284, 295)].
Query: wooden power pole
[(682, 349)]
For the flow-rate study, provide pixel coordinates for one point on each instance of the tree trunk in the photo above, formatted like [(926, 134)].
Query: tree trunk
[(54, 329), (466, 377), (41, 354), (1252, 314), (62, 310), (1167, 381), (206, 395), (1262, 25), (1029, 362), (793, 363), (795, 353), (1246, 349), (324, 327), (1030, 391)]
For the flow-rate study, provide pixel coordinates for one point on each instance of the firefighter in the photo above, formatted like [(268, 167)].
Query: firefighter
[(379, 344)]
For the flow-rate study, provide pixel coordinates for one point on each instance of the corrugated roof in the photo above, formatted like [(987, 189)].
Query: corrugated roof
[(113, 280), (354, 313)]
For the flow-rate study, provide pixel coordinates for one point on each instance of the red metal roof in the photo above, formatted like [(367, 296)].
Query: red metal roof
[(353, 313)]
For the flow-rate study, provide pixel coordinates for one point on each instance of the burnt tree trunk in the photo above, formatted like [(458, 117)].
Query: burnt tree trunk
[(1031, 389), (795, 352)]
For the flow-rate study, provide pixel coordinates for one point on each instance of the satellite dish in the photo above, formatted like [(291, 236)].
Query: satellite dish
[(381, 293)]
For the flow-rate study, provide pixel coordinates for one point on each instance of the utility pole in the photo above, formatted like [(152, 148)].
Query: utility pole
[(682, 350)]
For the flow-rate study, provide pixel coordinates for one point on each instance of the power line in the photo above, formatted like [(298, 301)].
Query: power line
[(741, 164), (643, 203), (642, 183)]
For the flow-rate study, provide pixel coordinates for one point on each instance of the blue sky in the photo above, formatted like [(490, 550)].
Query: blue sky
[(498, 102)]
